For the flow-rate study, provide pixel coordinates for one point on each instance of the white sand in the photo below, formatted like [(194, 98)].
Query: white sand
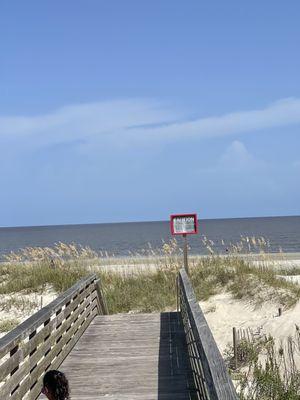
[(285, 264), (21, 314), (132, 265), (223, 313), (127, 268)]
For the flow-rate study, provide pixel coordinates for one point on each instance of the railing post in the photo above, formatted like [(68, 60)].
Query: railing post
[(177, 293), (234, 339), (101, 299), (185, 254)]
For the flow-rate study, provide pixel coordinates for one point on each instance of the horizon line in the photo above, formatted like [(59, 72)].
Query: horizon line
[(143, 221)]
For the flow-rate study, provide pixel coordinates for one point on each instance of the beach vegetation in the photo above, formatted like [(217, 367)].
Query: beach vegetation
[(35, 270), (148, 284), (8, 324), (19, 303), (266, 370)]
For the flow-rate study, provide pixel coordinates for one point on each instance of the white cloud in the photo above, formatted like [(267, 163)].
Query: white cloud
[(141, 121), (235, 159), (237, 173), (281, 113), (237, 155), (87, 119)]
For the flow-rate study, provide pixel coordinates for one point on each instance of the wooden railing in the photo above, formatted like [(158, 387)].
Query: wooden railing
[(44, 340), (210, 377)]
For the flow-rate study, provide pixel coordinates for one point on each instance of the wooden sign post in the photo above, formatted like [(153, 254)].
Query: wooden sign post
[(184, 224)]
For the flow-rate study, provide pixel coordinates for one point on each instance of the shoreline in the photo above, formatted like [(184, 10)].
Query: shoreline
[(260, 259)]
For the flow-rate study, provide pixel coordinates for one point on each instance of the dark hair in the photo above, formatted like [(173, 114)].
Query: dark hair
[(57, 383)]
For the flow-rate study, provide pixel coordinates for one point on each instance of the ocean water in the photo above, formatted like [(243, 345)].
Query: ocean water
[(121, 239)]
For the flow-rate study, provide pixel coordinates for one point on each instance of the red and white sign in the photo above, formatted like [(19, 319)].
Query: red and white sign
[(184, 224)]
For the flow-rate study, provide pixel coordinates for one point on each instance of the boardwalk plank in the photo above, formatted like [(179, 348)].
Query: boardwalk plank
[(130, 357)]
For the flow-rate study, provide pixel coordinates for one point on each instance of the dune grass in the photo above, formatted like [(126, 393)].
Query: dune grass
[(33, 278), (147, 291), (8, 324), (140, 293), (267, 370), (19, 303)]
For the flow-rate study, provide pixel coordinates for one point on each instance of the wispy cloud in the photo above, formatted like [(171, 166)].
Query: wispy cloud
[(281, 113), (84, 121), (140, 121), (73, 159)]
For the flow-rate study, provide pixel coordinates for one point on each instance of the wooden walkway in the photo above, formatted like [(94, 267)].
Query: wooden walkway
[(167, 356), (128, 357)]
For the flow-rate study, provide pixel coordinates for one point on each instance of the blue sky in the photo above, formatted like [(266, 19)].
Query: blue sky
[(132, 110)]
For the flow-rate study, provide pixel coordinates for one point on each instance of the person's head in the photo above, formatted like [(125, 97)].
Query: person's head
[(56, 386)]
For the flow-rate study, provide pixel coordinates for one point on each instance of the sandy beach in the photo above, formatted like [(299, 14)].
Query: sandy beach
[(278, 261), (28, 304), (223, 313)]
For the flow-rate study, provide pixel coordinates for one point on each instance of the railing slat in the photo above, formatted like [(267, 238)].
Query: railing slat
[(36, 391), (23, 330), (42, 350), (38, 339), (46, 362), (45, 339)]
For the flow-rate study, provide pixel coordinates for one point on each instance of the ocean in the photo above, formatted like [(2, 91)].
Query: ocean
[(124, 239)]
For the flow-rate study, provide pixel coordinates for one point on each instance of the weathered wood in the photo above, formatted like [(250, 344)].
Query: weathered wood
[(132, 356), (207, 363), (54, 350), (199, 383), (63, 353), (235, 343), (39, 339), (23, 330), (45, 339), (146, 356), (103, 309)]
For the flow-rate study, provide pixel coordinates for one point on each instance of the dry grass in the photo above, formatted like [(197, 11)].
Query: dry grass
[(8, 324), (19, 303), (268, 371), (34, 269)]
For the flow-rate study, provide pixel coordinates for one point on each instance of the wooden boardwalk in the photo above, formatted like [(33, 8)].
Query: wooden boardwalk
[(167, 356), (128, 357)]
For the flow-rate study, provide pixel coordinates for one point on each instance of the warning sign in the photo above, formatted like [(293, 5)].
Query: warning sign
[(184, 224)]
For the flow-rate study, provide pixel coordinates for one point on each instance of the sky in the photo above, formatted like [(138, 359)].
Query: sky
[(118, 111)]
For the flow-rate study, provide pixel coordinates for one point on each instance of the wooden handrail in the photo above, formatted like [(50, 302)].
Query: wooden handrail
[(44, 340), (210, 375)]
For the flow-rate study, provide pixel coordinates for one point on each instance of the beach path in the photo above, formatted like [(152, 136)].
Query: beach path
[(128, 357)]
